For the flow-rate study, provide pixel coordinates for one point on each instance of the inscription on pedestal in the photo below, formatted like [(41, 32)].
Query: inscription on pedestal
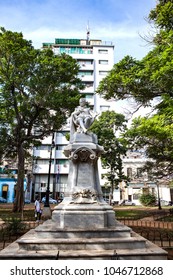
[(84, 176)]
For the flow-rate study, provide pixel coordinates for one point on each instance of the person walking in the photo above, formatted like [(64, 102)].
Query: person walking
[(38, 210)]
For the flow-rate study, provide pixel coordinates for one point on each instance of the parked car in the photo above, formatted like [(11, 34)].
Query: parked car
[(2, 200), (164, 202), (126, 203), (51, 200)]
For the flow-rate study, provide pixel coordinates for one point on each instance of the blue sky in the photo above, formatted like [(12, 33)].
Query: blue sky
[(119, 21)]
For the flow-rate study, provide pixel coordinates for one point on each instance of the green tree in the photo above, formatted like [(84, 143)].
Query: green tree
[(155, 135), (149, 82), (152, 77), (38, 91), (108, 128)]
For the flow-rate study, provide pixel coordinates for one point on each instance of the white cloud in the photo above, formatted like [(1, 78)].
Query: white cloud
[(43, 21)]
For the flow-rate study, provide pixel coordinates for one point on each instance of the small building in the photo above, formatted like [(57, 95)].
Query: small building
[(140, 183), (7, 188)]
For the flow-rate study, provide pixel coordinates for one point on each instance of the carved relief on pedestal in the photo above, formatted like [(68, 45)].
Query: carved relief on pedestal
[(84, 154), (84, 196)]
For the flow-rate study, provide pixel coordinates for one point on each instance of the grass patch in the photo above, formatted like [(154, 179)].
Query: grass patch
[(7, 214), (134, 214)]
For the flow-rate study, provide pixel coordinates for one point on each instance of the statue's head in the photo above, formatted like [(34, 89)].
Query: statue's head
[(82, 101)]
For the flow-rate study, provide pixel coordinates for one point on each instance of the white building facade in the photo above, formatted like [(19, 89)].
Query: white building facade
[(139, 182), (96, 59)]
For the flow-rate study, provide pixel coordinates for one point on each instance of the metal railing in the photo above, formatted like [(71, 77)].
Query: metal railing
[(7, 236), (158, 232)]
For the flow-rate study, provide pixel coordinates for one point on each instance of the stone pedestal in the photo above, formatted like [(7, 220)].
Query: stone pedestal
[(83, 197)]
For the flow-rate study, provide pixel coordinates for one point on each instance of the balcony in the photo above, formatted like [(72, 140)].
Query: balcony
[(60, 154), (42, 154), (62, 169), (43, 169), (86, 78), (84, 66), (61, 140)]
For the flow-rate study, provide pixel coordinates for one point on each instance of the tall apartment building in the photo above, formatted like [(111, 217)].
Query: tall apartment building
[(95, 58)]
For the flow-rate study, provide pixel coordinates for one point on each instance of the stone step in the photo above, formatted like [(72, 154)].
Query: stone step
[(119, 254), (80, 233), (81, 243), (134, 248)]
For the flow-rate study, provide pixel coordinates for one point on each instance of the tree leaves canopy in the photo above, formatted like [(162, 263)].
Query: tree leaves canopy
[(147, 80), (151, 77), (108, 127), (38, 91)]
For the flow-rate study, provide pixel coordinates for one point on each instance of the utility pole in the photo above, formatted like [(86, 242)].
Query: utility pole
[(47, 210)]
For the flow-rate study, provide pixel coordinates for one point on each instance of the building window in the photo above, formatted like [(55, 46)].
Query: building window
[(4, 191), (63, 162), (136, 195), (103, 73), (85, 73), (102, 51), (43, 161), (61, 133), (103, 62), (104, 108), (60, 147), (85, 62), (129, 172), (89, 96), (43, 148), (75, 50), (88, 84), (139, 172), (43, 185)]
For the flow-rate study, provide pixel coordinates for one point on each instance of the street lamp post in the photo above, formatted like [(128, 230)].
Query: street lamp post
[(158, 195), (48, 180)]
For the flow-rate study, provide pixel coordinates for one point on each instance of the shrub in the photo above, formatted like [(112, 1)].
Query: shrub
[(15, 226), (148, 199)]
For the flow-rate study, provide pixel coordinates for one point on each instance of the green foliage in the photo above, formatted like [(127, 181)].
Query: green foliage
[(149, 81), (15, 226), (108, 127), (155, 135), (162, 15), (147, 199), (151, 77), (38, 91)]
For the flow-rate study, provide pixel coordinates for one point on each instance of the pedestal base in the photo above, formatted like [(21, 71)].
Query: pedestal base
[(47, 213), (84, 216)]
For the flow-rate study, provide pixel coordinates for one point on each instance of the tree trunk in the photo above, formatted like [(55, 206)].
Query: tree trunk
[(19, 199)]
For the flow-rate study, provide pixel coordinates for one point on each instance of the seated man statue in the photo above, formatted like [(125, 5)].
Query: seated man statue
[(82, 118)]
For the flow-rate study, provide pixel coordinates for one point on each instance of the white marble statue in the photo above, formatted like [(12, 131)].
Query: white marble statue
[(82, 118)]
